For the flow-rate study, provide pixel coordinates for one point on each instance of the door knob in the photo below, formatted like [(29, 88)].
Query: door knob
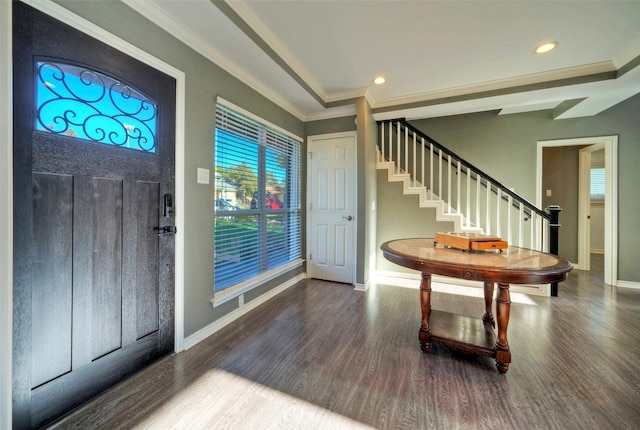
[(348, 218)]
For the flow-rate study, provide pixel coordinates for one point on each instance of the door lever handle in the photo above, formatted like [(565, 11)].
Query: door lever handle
[(348, 218), (166, 229)]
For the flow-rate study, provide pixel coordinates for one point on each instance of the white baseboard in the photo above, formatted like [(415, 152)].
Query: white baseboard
[(412, 280), (628, 284), (207, 331), (362, 287)]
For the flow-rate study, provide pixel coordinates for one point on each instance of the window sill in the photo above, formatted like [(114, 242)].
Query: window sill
[(241, 288)]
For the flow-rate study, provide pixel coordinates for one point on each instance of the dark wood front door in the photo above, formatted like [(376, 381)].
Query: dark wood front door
[(94, 284)]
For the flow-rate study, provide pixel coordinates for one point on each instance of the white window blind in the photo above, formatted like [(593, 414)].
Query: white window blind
[(258, 214), (597, 183)]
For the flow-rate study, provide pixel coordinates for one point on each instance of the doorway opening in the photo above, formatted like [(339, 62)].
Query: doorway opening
[(589, 145)]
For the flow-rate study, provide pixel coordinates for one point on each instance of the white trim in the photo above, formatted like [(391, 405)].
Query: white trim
[(245, 12), (64, 15), (180, 193), (611, 202), (498, 84), (331, 113), (253, 116), (220, 297), (362, 287), (442, 283), (6, 214), (628, 284), (220, 323), (177, 29)]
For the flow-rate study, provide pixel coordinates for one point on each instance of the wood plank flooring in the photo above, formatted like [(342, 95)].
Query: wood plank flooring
[(323, 356)]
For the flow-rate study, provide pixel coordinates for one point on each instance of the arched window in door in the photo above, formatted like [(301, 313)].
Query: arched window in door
[(89, 105)]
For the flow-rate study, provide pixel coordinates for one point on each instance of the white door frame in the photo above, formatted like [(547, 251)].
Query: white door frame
[(6, 182), (6, 214), (610, 145), (310, 140)]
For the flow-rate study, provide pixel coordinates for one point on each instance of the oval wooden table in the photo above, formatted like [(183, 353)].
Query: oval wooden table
[(473, 335)]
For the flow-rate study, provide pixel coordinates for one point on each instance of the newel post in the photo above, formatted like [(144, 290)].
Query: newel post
[(554, 228)]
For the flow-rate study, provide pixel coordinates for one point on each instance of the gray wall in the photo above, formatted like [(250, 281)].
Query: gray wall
[(505, 147), (204, 81), (399, 217)]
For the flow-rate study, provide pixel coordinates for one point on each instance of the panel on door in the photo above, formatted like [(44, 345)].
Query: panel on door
[(93, 291), (332, 208)]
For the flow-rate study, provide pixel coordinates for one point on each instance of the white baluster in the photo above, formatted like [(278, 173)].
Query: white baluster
[(488, 208), (431, 172), (534, 225), (468, 198), (397, 161), (406, 150), (424, 184), (389, 149), (414, 172), (521, 226), (458, 208), (478, 184), (440, 175), (498, 202), (381, 142), (449, 184), (509, 203)]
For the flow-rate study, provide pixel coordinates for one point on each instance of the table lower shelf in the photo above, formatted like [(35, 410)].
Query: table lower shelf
[(464, 334)]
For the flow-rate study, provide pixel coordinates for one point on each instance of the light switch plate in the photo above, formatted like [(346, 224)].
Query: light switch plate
[(203, 175)]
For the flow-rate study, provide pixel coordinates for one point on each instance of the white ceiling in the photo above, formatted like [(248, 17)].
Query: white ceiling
[(439, 57)]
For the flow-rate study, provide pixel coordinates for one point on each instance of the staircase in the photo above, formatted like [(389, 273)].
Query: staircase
[(458, 191)]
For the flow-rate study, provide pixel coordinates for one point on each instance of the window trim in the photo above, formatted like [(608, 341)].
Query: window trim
[(238, 290), (223, 296)]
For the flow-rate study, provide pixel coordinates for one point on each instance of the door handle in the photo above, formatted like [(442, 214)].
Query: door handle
[(166, 229), (348, 218)]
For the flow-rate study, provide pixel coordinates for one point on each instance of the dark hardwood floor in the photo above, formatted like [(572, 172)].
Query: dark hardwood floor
[(323, 356)]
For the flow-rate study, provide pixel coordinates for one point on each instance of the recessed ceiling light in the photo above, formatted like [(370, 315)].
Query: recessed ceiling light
[(546, 47), (379, 80)]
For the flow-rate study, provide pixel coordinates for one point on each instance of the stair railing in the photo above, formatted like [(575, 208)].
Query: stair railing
[(483, 201)]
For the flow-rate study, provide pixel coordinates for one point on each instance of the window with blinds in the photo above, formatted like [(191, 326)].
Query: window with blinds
[(257, 197), (597, 183)]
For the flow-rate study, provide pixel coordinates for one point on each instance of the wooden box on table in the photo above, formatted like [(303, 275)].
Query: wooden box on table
[(470, 241)]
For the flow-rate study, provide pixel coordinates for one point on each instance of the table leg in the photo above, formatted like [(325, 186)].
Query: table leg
[(424, 334), (503, 305), (488, 302)]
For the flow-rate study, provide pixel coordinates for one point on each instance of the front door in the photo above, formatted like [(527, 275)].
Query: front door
[(93, 185), (332, 204)]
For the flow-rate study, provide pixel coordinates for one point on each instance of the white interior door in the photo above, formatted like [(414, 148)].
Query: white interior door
[(331, 207)]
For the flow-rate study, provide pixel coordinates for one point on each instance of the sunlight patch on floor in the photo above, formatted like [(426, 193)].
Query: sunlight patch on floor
[(441, 287), (222, 400)]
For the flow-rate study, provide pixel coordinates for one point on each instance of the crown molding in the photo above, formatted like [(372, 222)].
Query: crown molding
[(627, 56), (330, 113), (245, 12), (347, 94), (162, 19), (500, 84)]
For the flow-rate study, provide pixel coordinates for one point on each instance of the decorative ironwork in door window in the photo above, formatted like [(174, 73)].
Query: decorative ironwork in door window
[(86, 104)]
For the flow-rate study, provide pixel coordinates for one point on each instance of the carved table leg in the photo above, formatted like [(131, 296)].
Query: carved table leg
[(424, 334), (503, 305), (488, 301)]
